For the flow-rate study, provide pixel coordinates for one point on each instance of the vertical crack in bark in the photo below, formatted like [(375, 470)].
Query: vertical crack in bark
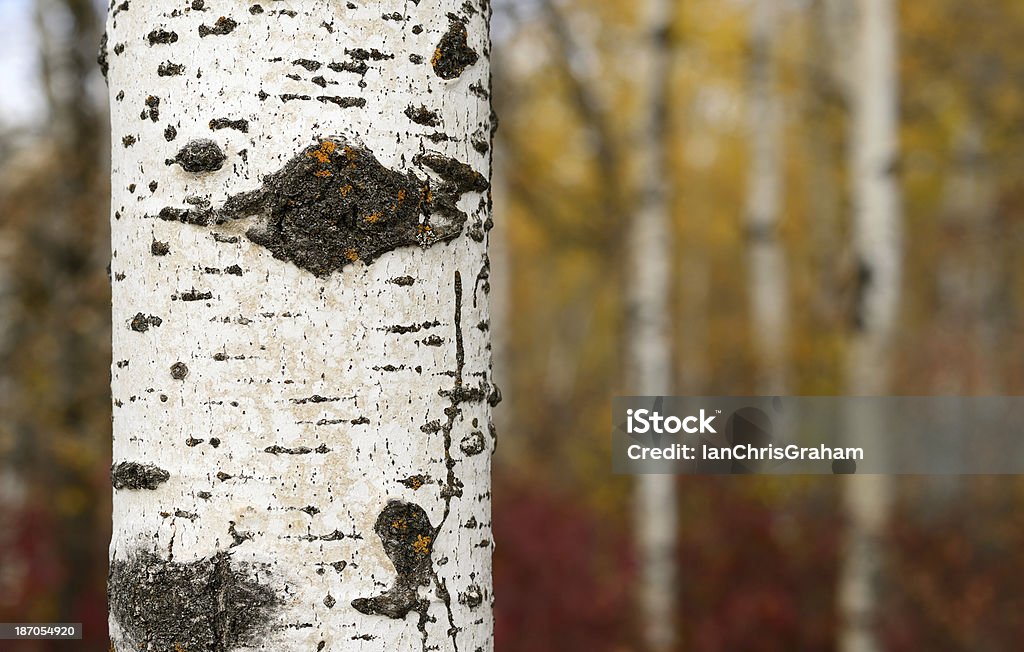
[(405, 529), (460, 350)]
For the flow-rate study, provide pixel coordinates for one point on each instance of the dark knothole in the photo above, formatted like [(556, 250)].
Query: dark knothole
[(334, 204), (453, 54), (133, 475), (408, 538), (200, 155)]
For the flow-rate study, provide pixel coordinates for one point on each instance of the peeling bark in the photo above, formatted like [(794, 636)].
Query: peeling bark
[(289, 307)]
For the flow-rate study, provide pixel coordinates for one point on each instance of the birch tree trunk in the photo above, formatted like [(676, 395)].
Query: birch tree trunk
[(301, 379), (769, 288), (968, 281), (823, 88), (649, 334), (878, 244)]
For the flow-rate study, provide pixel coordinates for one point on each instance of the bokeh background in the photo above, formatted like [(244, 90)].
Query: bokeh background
[(758, 558)]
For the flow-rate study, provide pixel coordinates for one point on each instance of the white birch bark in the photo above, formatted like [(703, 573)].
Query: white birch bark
[(649, 335), (967, 281), (878, 244), (968, 285), (766, 266), (301, 377)]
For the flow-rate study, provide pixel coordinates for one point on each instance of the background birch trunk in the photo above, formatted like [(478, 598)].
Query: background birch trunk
[(878, 246), (650, 350), (825, 94), (968, 283), (769, 286), (301, 379)]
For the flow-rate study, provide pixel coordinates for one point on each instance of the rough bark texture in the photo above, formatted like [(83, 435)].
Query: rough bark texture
[(767, 268), (649, 335), (878, 244), (301, 379)]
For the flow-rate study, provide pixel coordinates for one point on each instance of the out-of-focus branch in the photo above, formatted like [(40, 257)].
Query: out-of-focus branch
[(591, 108)]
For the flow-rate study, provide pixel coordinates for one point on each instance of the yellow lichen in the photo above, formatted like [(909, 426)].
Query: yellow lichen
[(323, 153), (436, 58), (347, 188), (323, 174), (422, 545), (373, 218), (352, 255), (399, 524)]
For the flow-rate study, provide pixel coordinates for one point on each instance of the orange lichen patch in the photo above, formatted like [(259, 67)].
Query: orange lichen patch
[(352, 255), (323, 153), (401, 195), (424, 228), (434, 60), (399, 524), (422, 544), (344, 190), (373, 218), (178, 647), (323, 174), (414, 482)]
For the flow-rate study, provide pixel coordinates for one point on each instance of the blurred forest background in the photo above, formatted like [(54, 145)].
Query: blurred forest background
[(757, 560)]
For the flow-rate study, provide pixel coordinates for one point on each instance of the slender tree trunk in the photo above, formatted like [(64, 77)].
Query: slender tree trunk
[(968, 286), (823, 89), (649, 333), (878, 244), (301, 381), (768, 282)]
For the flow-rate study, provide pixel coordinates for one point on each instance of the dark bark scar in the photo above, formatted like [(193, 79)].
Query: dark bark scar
[(334, 203)]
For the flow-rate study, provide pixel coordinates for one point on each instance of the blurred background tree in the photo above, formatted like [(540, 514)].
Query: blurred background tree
[(758, 558)]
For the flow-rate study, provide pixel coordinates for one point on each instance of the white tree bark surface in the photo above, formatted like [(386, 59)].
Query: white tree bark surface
[(301, 379), (878, 242), (767, 265), (650, 357)]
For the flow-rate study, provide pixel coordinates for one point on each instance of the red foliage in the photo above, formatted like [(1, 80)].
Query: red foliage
[(756, 577), (561, 575)]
